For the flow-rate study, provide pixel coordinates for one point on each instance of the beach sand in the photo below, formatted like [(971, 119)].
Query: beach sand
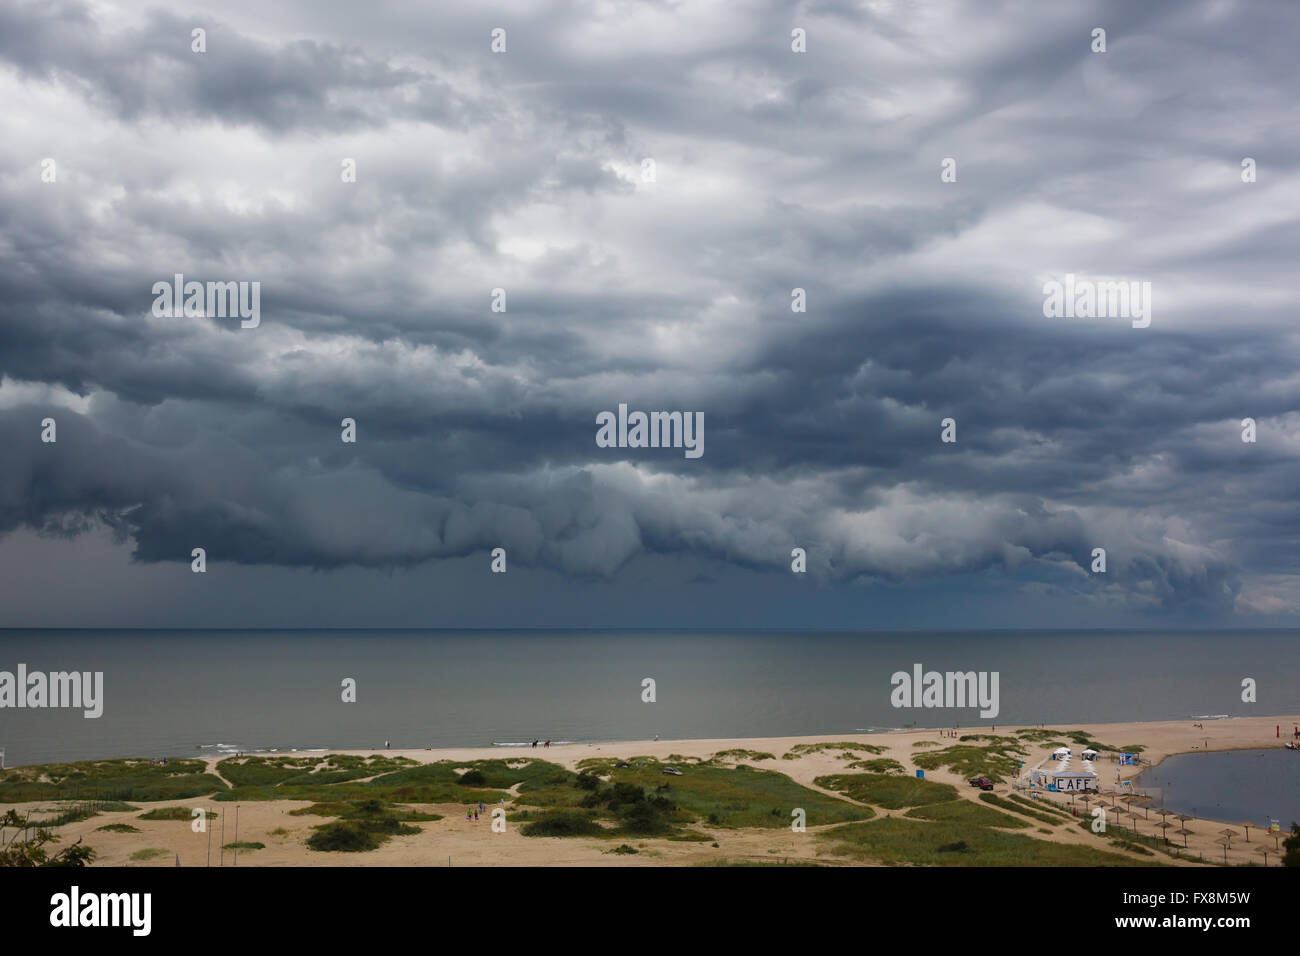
[(460, 842)]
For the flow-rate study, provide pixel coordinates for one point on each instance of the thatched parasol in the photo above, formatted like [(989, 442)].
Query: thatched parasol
[(1224, 842), (1263, 848), (1247, 825), (1185, 832)]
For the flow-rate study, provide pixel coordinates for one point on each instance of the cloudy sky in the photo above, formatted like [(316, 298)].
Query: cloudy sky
[(526, 170)]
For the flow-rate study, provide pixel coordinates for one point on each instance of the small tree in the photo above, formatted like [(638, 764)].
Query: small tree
[(1292, 844), (33, 853)]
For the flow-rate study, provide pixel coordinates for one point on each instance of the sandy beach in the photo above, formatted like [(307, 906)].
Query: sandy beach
[(457, 842)]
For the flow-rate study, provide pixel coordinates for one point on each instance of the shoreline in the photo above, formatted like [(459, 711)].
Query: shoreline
[(283, 825), (1251, 726)]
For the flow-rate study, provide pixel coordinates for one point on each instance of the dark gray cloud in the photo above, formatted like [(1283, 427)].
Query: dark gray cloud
[(773, 170)]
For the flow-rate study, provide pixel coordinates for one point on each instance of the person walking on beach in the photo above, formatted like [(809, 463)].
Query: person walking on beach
[(548, 743)]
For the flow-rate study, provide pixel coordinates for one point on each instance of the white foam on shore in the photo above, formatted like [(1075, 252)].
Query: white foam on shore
[(529, 743)]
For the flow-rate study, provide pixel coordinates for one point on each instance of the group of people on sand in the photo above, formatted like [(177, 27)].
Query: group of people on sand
[(473, 812), (536, 742)]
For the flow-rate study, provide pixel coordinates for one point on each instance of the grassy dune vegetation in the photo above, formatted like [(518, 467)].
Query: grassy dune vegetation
[(363, 801), (888, 791), (947, 843), (124, 779)]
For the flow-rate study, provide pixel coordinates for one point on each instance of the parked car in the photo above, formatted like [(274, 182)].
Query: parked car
[(621, 763), (673, 770), (984, 783)]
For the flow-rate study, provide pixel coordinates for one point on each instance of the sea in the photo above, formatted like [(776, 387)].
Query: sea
[(196, 692)]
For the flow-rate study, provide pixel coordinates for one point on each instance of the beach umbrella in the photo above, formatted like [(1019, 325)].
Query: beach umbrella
[(1185, 832), (1164, 830), (1263, 848), (1224, 841), (1247, 825), (1228, 833)]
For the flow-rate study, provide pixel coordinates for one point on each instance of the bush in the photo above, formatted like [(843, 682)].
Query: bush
[(472, 778), (1292, 845), (563, 823), (341, 838)]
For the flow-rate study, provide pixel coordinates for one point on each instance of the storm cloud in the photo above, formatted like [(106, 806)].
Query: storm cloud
[(648, 184)]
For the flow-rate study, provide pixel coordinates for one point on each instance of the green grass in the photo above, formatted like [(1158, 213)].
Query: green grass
[(131, 778), (152, 853), (1023, 811), (564, 823), (730, 863), (395, 780), (969, 813), (800, 750), (898, 841), (741, 796), (995, 760), (886, 790), (358, 834), (1079, 737), (174, 813), (1039, 805), (364, 809), (70, 815), (118, 828), (741, 754), (879, 765), (244, 845)]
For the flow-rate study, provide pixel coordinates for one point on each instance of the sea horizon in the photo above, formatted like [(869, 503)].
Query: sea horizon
[(174, 691)]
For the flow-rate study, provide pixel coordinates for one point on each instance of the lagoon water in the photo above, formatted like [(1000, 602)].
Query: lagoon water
[(180, 693), (1233, 786)]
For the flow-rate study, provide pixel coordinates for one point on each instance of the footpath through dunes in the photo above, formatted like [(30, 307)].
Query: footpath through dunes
[(735, 801)]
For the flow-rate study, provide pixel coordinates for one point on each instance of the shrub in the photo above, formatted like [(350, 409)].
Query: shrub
[(563, 823)]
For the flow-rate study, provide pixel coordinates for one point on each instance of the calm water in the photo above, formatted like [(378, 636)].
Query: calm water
[(168, 692), (1233, 786)]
